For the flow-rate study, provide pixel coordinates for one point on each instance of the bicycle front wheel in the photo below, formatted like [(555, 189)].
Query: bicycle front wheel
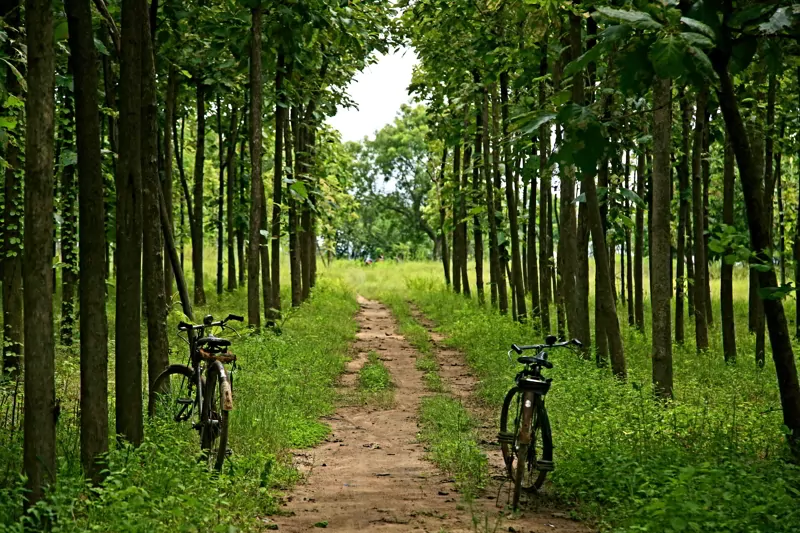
[(526, 464), (214, 431), (173, 394)]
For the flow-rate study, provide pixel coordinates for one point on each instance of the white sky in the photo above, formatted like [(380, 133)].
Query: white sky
[(378, 91)]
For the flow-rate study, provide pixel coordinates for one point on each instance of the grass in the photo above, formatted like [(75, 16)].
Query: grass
[(284, 384), (713, 460)]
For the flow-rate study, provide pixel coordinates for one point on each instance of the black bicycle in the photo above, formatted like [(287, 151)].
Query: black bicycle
[(525, 437), (201, 390)]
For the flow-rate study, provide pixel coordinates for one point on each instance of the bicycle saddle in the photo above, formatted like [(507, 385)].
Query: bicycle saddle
[(530, 360), (213, 342)]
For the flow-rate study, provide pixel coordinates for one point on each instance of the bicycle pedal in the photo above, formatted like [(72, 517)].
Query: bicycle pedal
[(545, 466), (506, 438)]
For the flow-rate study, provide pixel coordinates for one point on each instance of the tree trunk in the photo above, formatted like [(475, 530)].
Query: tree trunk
[(69, 231), (796, 248), (782, 353), (187, 196), (456, 223), (292, 136), (477, 167), (781, 218), (726, 269), (629, 262), (700, 323), (220, 197), (545, 224), (230, 192), (12, 217), (93, 321), (661, 284), (256, 201), (128, 368), (705, 167), (169, 122), (241, 223), (153, 247), (175, 260), (197, 229), (683, 216), (443, 216), (462, 218), (494, 255), (511, 201), (600, 333), (638, 265), (40, 399), (277, 186)]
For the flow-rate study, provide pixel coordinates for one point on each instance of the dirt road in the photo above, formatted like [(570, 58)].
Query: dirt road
[(371, 473)]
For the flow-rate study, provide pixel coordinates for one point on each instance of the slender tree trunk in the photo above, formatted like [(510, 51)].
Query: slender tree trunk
[(545, 223), (277, 186), (187, 195), (256, 201), (782, 353), (175, 260), (705, 167), (93, 321), (781, 218), (638, 265), (153, 246), (169, 121), (39, 449), (197, 229), (12, 218), (494, 255), (629, 262), (796, 247), (462, 218), (700, 323), (511, 201), (477, 200), (455, 211), (443, 216), (241, 223), (660, 245), (683, 216), (291, 135), (601, 335), (220, 197), (128, 368), (230, 192), (69, 231), (726, 269)]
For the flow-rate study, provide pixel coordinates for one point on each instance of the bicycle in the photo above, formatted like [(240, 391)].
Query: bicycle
[(529, 443), (182, 391)]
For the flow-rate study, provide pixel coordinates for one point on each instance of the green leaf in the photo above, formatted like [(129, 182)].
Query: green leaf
[(299, 188), (775, 293), (7, 123), (589, 57), (697, 39), (777, 22), (752, 12), (100, 47), (667, 56), (716, 246), (698, 26), (539, 120), (742, 55), (61, 31), (632, 196), (637, 19)]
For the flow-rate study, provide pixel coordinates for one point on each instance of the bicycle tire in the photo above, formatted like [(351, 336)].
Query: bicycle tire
[(541, 438), (214, 418), (163, 381)]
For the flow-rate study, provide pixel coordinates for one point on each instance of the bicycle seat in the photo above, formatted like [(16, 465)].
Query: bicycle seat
[(531, 360), (213, 342)]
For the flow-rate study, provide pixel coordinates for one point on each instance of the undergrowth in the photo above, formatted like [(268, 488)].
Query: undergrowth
[(284, 383)]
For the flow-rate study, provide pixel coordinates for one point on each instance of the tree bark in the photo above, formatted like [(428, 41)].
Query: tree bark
[(629, 262), (220, 197), (153, 247), (175, 260), (128, 369), (518, 285), (93, 321), (463, 205), (230, 192), (197, 229), (726, 269), (700, 322), (39, 448), (291, 136), (683, 216), (456, 223), (277, 186), (638, 264), (545, 225), (477, 200), (660, 245), (166, 188), (256, 201), (443, 216), (782, 353), (494, 255)]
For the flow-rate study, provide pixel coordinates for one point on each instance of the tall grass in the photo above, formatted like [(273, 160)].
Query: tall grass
[(712, 460)]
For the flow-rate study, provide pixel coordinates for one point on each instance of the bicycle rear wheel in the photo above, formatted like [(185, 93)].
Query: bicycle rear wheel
[(526, 464), (214, 418), (173, 394)]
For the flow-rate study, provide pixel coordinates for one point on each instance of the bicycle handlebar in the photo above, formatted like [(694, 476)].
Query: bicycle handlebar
[(183, 326), (537, 347)]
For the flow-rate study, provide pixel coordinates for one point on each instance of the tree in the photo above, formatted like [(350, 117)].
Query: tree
[(40, 399), (256, 200), (197, 228)]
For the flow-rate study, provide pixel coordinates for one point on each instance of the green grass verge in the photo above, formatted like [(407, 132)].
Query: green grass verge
[(284, 384)]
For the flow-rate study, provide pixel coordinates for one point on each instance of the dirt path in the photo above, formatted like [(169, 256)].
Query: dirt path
[(371, 473)]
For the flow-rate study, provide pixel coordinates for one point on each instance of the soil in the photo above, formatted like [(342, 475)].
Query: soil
[(371, 474)]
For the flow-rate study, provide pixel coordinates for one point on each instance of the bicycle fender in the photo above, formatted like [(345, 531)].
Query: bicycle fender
[(225, 388)]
